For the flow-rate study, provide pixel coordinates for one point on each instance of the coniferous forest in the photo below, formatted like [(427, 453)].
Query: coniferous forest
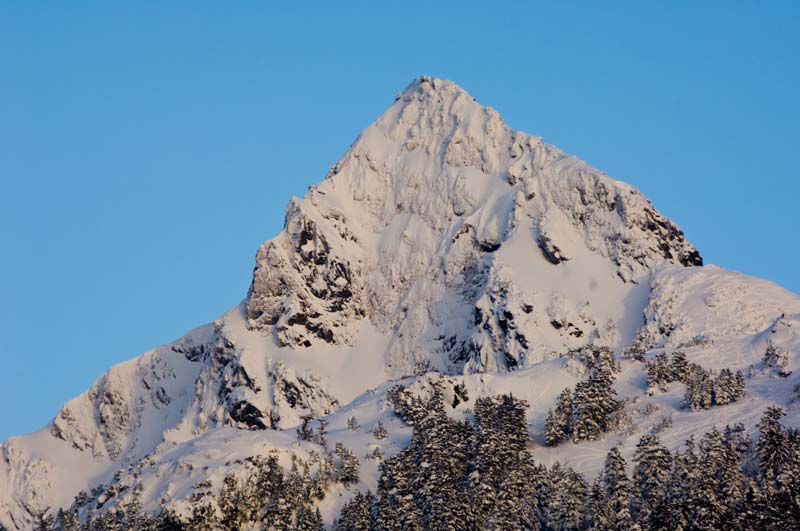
[(478, 474)]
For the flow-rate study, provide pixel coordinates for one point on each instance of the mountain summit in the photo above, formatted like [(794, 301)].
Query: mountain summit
[(442, 245), (424, 227)]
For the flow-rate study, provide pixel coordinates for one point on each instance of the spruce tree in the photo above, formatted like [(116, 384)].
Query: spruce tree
[(566, 493), (683, 480), (379, 431), (232, 503), (771, 356), (67, 521), (593, 403), (651, 478), (738, 385), (595, 511), (397, 510), (659, 372), (725, 388), (168, 520), (321, 437), (752, 513), (719, 487), (308, 519), (349, 467), (699, 390), (558, 422), (352, 424), (517, 505), (356, 515), (784, 495), (451, 507), (679, 366), (617, 493), (203, 518), (773, 447)]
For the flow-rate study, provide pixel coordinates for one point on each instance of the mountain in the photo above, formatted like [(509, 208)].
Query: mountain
[(442, 247)]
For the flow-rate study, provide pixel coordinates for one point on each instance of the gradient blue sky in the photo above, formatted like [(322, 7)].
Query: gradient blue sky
[(145, 152)]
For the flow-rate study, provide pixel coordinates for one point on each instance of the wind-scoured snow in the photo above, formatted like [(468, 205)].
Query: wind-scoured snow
[(442, 245)]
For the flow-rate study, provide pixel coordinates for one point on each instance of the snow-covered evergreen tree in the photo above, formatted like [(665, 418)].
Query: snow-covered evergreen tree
[(679, 366), (349, 466), (651, 476), (397, 510), (566, 493), (771, 356), (203, 518), (232, 503), (517, 505), (321, 437), (773, 449), (699, 390), (617, 494), (684, 478), (595, 510), (379, 431), (738, 387), (659, 372), (352, 424), (558, 425), (308, 519), (593, 403), (719, 486), (408, 406), (725, 388), (357, 514)]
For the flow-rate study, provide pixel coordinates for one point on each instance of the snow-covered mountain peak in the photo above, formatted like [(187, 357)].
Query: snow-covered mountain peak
[(427, 95), (437, 208)]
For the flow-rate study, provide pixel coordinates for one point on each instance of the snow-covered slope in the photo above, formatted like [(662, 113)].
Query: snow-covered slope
[(442, 242)]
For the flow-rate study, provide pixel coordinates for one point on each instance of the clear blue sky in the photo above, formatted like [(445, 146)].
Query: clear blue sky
[(145, 152)]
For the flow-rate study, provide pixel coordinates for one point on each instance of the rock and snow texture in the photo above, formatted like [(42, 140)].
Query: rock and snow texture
[(441, 241), (425, 226)]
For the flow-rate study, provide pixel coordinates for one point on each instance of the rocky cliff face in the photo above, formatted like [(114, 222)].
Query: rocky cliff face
[(441, 241)]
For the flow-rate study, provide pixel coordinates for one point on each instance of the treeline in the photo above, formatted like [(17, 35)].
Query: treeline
[(704, 388), (479, 475), (264, 497)]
